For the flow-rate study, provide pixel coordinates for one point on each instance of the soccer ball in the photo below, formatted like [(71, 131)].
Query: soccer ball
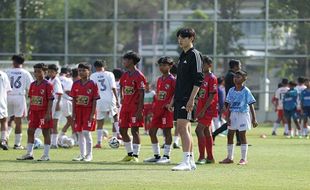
[(66, 142), (37, 143), (114, 142)]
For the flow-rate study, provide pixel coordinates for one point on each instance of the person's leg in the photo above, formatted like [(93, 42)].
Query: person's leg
[(100, 123), (89, 145), (238, 143), (4, 137), (18, 132), (244, 147), (305, 126), (155, 145), (176, 137), (219, 130), (201, 141), (230, 148), (209, 144), (54, 136), (115, 128), (10, 128), (136, 144), (30, 145), (47, 141), (185, 138), (168, 142)]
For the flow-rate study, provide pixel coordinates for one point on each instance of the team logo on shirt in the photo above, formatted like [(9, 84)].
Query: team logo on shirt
[(42, 91), (167, 86), (89, 91), (128, 90), (201, 93), (36, 100), (161, 95), (82, 100), (185, 62)]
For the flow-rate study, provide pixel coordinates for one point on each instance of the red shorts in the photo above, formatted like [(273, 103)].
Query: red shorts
[(127, 119), (82, 120), (162, 118), (206, 121), (147, 109), (36, 120), (280, 114)]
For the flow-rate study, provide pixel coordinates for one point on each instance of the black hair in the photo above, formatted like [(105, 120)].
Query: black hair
[(53, 67), (242, 73), (131, 55), (207, 60), (280, 85), (40, 66), (220, 80), (64, 70), (117, 73), (165, 60), (18, 58), (84, 65), (100, 63), (75, 72), (233, 63), (292, 83), (300, 80), (186, 33), (284, 81), (174, 69)]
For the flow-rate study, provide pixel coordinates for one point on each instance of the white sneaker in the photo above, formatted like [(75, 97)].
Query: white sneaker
[(193, 165), (152, 159), (182, 167), (79, 158), (88, 158), (163, 160), (44, 158)]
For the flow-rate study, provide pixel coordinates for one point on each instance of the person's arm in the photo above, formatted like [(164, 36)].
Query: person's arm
[(206, 106), (254, 122), (49, 110), (73, 108), (191, 101), (115, 94), (93, 111), (140, 104)]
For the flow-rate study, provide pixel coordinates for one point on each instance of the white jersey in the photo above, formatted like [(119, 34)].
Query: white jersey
[(280, 95), (66, 84), (118, 91), (57, 88), (20, 80), (299, 89), (105, 81), (4, 89)]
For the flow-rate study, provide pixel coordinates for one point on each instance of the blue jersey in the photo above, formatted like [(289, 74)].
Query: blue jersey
[(305, 98), (239, 101), (290, 99)]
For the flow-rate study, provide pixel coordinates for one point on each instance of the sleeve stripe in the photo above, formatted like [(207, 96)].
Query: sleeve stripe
[(198, 60)]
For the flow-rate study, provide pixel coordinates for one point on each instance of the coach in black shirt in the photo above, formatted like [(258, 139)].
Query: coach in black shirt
[(189, 79)]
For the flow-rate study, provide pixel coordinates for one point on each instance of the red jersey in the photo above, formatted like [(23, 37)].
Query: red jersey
[(209, 86), (84, 94), (164, 91), (40, 94), (131, 83)]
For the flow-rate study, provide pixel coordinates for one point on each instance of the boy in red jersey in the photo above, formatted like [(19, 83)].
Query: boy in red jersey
[(40, 112), (85, 95), (131, 115), (206, 110), (162, 117)]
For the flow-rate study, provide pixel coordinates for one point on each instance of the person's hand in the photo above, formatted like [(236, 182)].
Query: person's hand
[(190, 105), (201, 114), (139, 115), (254, 123), (47, 117), (91, 118), (170, 107)]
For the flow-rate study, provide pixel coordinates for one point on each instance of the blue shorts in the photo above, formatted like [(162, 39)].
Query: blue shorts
[(306, 112), (288, 114)]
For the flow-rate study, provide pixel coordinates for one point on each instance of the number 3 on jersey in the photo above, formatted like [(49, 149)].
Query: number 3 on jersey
[(103, 87), (16, 83)]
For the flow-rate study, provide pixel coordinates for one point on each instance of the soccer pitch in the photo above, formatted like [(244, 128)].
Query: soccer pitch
[(274, 163)]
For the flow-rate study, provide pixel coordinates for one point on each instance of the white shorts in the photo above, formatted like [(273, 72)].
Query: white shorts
[(107, 114), (56, 114), (3, 114), (17, 106), (66, 107), (240, 121)]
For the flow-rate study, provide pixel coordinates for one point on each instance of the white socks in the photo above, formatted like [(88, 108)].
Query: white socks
[(89, 142), (156, 149), (54, 139), (128, 146), (186, 157), (286, 128), (18, 139), (99, 135), (230, 151), (275, 127), (136, 149), (3, 135), (30, 148), (116, 127), (176, 140), (167, 149), (82, 143), (46, 149), (9, 131), (244, 151)]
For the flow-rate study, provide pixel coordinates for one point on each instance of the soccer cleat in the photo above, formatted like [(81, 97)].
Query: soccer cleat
[(163, 160), (54, 146), (274, 133), (201, 161), (88, 158), (44, 158), (210, 161), (25, 157), (226, 161), (175, 146), (79, 158), (97, 146), (193, 165), (151, 159), (18, 147), (242, 162), (4, 145), (127, 159), (134, 159), (184, 166)]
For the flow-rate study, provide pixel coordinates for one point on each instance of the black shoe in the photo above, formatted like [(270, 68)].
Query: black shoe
[(162, 146), (4, 145), (175, 146), (274, 133)]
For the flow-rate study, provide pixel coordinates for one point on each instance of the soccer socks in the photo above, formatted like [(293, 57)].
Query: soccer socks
[(128, 147), (47, 149), (18, 139), (167, 150), (209, 148), (30, 148), (82, 143), (201, 147), (9, 131), (275, 127), (244, 151), (286, 128), (3, 135), (89, 142), (230, 151), (38, 133), (136, 149), (54, 139), (99, 135), (176, 140), (186, 157), (156, 149), (116, 127)]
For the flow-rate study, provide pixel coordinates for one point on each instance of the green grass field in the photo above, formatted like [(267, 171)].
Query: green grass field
[(274, 163)]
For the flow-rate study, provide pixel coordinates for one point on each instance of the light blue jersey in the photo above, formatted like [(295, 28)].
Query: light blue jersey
[(290, 100), (305, 98), (239, 101)]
